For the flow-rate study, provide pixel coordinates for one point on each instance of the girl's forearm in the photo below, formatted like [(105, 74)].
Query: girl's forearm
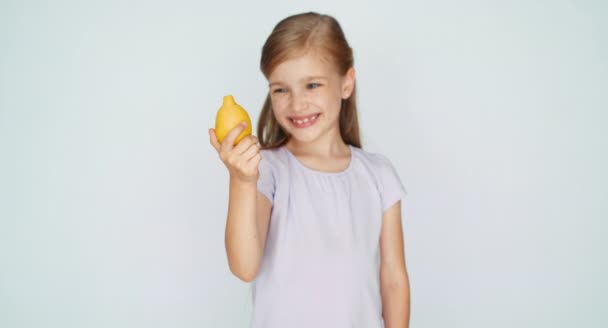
[(243, 242), (396, 304)]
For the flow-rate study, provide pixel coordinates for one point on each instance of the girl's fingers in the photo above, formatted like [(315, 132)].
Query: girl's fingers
[(250, 152), (254, 162), (228, 142), (244, 144), (213, 140), (244, 157)]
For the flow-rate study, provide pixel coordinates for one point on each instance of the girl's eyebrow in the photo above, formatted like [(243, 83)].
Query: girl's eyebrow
[(308, 78), (314, 78)]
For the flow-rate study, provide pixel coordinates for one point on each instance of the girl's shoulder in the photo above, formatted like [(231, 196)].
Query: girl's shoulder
[(372, 159), (385, 175)]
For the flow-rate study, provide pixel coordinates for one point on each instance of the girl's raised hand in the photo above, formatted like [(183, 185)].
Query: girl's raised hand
[(242, 160)]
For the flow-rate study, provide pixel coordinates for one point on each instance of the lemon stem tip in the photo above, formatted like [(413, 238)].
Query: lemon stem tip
[(228, 100)]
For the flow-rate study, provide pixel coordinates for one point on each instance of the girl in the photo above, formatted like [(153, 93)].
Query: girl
[(314, 221)]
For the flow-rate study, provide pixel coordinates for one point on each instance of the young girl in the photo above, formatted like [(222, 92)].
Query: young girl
[(314, 221)]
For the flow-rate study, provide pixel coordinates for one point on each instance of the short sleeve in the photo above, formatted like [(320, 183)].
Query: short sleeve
[(266, 180), (391, 187)]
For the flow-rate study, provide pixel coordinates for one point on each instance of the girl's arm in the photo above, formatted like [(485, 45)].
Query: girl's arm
[(246, 228), (394, 280), (248, 209)]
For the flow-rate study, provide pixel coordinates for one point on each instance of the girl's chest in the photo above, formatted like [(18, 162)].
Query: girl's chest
[(338, 212)]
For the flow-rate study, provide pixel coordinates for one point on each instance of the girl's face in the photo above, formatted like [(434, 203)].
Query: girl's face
[(306, 94)]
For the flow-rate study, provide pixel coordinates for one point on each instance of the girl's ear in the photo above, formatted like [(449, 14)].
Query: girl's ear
[(348, 85)]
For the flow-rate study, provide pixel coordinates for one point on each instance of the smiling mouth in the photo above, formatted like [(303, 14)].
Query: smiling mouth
[(304, 121)]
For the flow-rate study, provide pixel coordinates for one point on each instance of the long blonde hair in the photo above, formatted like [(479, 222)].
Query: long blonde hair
[(293, 36)]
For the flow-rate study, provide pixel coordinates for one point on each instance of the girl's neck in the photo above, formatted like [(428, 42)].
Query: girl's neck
[(323, 147)]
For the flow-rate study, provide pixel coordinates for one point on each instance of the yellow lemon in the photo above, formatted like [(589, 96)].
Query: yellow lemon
[(228, 117)]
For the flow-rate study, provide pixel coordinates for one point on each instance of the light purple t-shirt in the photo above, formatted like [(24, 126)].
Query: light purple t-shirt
[(321, 264)]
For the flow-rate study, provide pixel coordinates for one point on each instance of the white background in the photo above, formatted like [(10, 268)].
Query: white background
[(113, 203)]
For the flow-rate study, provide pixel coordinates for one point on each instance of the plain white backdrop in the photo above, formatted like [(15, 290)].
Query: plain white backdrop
[(113, 203)]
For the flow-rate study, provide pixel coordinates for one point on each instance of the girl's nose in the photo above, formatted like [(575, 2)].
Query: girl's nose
[(299, 102)]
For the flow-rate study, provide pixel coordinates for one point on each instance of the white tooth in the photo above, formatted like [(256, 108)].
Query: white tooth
[(299, 122), (305, 120)]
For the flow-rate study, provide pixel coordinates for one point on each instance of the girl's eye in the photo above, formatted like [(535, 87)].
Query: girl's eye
[(279, 90), (313, 85)]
